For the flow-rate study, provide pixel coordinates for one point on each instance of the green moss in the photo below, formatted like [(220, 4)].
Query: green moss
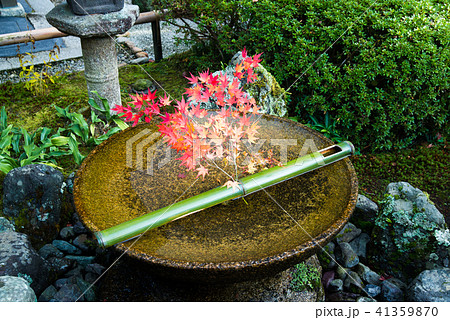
[(424, 168), (166, 74)]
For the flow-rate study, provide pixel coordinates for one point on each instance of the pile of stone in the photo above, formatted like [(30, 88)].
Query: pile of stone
[(137, 55), (37, 259), (398, 252), (402, 256)]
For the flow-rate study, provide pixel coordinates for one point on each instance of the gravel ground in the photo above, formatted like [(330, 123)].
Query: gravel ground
[(140, 35)]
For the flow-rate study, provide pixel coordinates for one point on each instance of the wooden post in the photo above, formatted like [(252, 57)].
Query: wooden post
[(157, 46)]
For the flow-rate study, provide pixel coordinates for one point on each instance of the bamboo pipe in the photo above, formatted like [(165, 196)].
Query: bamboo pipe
[(50, 33), (247, 185)]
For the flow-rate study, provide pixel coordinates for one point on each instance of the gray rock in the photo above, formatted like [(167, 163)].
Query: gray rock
[(17, 256), (87, 290), (50, 250), (95, 7), (365, 210), (48, 294), (404, 232), (83, 242), (397, 282), (69, 293), (347, 257), (75, 289), (348, 233), (430, 286), (372, 290), (353, 282), (327, 256), (141, 60), (76, 272), (341, 272), (67, 232), (15, 289), (32, 199), (359, 244), (332, 264), (342, 297), (60, 265), (90, 277), (79, 228), (111, 23), (403, 190), (407, 194), (367, 275), (365, 299), (61, 282), (95, 268), (66, 247), (82, 261), (5, 225), (329, 248), (266, 91), (336, 285), (390, 292)]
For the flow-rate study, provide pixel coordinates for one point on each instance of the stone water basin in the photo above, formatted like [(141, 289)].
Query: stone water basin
[(239, 240)]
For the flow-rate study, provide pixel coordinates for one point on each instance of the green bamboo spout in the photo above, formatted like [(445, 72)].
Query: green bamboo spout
[(247, 185)]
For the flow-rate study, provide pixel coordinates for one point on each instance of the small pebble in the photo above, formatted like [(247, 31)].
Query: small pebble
[(336, 285), (372, 290), (67, 233), (66, 247), (49, 250), (82, 241)]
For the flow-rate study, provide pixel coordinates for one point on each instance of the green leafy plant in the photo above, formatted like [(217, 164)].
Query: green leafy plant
[(304, 276), (19, 148), (327, 127), (37, 81), (94, 131), (383, 65)]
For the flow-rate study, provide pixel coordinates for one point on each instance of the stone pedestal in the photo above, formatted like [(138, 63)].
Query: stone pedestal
[(97, 42), (11, 8)]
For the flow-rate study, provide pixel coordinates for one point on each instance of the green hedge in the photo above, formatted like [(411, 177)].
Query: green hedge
[(385, 80), (144, 5)]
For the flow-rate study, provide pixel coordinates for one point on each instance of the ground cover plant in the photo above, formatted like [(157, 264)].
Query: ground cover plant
[(384, 80)]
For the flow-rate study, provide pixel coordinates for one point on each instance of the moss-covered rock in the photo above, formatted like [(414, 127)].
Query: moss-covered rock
[(268, 94), (32, 201), (406, 233)]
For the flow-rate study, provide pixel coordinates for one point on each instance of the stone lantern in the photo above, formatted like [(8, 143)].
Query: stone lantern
[(8, 3), (97, 31), (83, 7)]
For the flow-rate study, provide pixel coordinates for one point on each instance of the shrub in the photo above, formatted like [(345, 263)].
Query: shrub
[(384, 78), (144, 5)]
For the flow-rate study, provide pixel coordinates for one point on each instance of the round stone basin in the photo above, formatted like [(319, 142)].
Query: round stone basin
[(238, 240)]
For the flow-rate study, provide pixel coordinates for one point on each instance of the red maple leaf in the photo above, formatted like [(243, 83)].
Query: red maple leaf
[(192, 79), (165, 101), (202, 171), (204, 76)]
